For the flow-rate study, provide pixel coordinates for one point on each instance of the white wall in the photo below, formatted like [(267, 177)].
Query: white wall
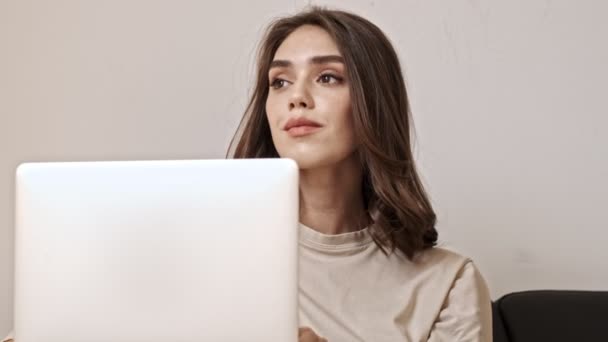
[(508, 99)]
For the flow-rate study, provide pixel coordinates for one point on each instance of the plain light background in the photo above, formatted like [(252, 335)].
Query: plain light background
[(508, 98)]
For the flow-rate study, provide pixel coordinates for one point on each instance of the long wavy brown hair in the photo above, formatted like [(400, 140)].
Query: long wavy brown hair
[(396, 201)]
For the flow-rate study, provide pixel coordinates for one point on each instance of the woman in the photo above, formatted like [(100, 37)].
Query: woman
[(330, 95)]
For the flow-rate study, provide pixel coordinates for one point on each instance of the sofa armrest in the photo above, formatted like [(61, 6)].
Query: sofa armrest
[(553, 315)]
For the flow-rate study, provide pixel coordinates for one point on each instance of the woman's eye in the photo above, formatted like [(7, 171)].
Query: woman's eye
[(329, 78), (277, 83)]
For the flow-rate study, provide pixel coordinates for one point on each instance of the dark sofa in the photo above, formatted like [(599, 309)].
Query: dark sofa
[(552, 316)]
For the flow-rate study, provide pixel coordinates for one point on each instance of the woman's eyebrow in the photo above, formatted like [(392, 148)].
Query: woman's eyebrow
[(278, 63), (327, 59)]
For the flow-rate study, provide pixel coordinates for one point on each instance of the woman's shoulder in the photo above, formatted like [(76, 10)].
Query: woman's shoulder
[(441, 256), (444, 261), (450, 264), (466, 302)]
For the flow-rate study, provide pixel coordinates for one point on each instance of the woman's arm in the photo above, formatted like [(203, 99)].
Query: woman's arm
[(467, 311)]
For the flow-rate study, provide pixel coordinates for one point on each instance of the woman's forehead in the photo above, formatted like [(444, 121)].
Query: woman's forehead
[(306, 42)]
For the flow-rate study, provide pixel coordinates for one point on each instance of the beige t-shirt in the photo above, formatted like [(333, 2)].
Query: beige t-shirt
[(351, 291)]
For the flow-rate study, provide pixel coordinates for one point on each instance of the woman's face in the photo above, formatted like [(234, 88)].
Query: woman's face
[(309, 105)]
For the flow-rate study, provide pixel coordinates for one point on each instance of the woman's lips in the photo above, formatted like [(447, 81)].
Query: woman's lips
[(301, 126), (300, 131)]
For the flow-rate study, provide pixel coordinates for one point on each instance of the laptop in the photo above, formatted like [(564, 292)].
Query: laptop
[(193, 250)]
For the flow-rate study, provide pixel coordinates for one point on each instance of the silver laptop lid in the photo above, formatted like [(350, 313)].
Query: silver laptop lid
[(200, 250)]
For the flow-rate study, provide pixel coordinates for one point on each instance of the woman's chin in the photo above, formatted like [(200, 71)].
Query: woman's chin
[(307, 162), (316, 157)]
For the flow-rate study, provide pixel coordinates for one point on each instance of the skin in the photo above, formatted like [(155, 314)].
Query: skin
[(308, 79), (305, 84)]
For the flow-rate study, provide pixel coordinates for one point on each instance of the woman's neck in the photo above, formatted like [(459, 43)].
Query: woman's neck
[(331, 199)]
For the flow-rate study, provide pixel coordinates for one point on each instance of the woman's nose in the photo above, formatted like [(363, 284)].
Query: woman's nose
[(301, 99), (297, 103)]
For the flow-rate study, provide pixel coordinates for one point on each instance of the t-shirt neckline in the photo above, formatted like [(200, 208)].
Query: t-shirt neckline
[(314, 238)]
